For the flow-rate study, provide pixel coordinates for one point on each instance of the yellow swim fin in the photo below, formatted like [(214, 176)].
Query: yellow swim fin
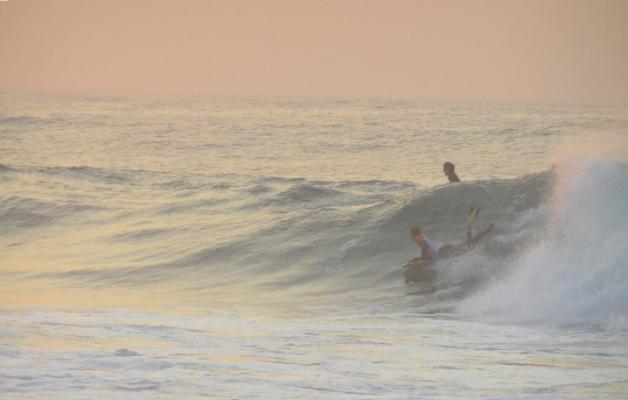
[(473, 214)]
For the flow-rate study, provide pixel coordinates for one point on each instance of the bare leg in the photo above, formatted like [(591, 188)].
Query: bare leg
[(449, 250), (474, 239)]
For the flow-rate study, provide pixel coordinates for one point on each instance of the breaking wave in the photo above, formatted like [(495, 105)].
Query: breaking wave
[(559, 254), (575, 269)]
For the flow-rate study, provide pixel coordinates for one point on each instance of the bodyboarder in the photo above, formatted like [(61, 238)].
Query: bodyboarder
[(431, 249)]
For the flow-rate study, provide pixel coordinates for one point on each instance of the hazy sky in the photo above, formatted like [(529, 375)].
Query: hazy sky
[(522, 51)]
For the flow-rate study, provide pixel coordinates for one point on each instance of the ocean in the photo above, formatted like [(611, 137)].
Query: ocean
[(194, 248)]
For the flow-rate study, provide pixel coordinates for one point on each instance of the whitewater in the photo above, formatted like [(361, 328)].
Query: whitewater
[(158, 248)]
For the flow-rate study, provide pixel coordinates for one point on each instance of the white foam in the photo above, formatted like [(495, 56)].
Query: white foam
[(576, 271)]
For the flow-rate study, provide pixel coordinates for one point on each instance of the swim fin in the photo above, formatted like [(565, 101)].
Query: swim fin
[(473, 214)]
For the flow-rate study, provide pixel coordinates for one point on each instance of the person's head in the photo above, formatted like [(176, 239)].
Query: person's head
[(417, 236), (448, 168)]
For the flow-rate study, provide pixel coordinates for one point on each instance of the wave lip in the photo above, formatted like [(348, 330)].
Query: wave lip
[(26, 212), (5, 168), (306, 193)]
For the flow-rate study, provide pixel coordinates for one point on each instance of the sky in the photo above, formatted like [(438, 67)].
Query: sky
[(550, 51)]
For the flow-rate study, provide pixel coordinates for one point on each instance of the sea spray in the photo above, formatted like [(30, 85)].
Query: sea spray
[(576, 271)]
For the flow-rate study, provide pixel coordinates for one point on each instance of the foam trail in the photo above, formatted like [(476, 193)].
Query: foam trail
[(576, 272)]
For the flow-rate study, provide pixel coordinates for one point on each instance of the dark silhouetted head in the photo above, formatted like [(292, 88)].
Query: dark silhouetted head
[(417, 236), (450, 170), (415, 231)]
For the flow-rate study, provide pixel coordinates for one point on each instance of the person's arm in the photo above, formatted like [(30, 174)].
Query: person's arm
[(425, 254), (424, 257)]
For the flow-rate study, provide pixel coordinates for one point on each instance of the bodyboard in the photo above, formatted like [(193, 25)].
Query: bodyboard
[(418, 272)]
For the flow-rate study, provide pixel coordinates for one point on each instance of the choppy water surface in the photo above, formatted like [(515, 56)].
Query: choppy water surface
[(199, 248)]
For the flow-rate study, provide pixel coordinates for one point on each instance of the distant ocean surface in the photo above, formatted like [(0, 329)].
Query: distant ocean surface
[(253, 249)]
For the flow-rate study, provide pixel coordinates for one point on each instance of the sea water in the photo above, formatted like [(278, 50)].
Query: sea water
[(159, 248)]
